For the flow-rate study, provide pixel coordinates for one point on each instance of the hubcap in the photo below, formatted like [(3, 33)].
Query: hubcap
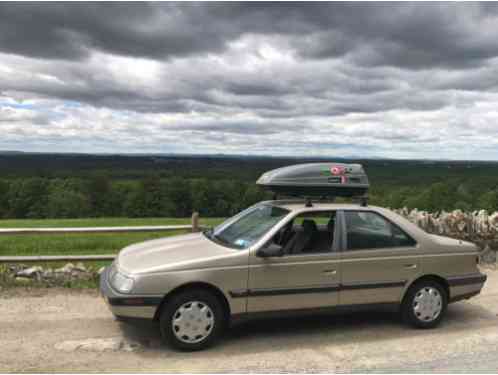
[(192, 322), (427, 304)]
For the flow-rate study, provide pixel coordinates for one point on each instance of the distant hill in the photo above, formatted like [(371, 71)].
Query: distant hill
[(237, 167), (7, 152)]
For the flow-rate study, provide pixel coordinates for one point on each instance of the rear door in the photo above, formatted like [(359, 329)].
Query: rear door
[(377, 258), (297, 281)]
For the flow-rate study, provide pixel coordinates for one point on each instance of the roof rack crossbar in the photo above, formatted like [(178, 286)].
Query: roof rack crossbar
[(308, 201), (363, 201)]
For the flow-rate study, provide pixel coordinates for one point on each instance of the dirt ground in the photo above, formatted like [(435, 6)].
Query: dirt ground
[(61, 330)]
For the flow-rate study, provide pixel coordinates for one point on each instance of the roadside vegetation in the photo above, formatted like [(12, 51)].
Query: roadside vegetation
[(57, 190), (75, 244), (80, 243), (44, 186), (102, 222)]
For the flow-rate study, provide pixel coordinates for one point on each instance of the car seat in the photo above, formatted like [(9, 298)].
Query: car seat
[(331, 229), (302, 240)]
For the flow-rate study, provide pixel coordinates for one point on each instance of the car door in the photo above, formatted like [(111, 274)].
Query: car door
[(296, 281), (377, 258)]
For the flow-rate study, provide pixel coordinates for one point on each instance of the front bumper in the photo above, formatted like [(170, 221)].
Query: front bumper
[(127, 306)]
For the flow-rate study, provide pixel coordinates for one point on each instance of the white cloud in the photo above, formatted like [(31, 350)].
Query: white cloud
[(315, 84)]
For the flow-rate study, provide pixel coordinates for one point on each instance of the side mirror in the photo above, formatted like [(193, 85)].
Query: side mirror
[(273, 250)]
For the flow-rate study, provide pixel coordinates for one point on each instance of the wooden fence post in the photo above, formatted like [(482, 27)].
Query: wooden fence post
[(195, 222)]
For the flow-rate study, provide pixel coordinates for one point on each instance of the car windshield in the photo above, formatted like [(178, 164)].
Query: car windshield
[(244, 229)]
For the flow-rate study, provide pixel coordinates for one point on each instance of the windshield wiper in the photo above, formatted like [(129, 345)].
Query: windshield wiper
[(209, 233)]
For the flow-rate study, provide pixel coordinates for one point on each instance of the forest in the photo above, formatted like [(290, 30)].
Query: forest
[(80, 185)]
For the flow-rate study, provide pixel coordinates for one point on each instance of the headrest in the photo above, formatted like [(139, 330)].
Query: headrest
[(331, 223), (309, 224)]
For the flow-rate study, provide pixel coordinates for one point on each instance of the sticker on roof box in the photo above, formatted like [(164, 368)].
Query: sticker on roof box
[(337, 170)]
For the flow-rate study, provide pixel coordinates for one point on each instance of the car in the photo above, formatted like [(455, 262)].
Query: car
[(288, 257)]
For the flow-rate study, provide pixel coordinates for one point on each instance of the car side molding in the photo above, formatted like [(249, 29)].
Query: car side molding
[(324, 289), (466, 279), (248, 316)]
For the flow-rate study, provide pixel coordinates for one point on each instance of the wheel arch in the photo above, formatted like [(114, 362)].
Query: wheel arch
[(196, 285), (439, 279)]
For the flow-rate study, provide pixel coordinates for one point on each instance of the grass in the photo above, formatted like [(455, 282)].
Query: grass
[(101, 222), (74, 244), (80, 244), (83, 244)]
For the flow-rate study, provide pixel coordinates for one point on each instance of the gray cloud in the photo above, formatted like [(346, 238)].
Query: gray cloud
[(250, 77), (408, 35), (71, 31)]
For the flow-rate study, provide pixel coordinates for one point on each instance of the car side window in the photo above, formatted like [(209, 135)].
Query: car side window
[(369, 230), (308, 233)]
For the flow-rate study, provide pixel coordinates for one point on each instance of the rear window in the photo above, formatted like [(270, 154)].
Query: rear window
[(369, 230)]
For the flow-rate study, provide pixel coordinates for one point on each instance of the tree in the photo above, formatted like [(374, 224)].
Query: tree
[(27, 198), (147, 200), (464, 198), (253, 194), (177, 198), (4, 203), (115, 199), (134, 205), (203, 198), (67, 204), (437, 197), (489, 201), (98, 191), (153, 198)]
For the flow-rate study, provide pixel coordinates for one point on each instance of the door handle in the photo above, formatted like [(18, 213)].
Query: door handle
[(329, 272), (410, 266)]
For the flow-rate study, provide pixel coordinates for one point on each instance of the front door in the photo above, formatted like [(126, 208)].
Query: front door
[(307, 275), (377, 260)]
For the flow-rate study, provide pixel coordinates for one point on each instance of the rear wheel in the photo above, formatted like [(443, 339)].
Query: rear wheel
[(425, 304), (192, 320)]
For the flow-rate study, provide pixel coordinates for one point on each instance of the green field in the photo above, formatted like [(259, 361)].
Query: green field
[(83, 244), (101, 222)]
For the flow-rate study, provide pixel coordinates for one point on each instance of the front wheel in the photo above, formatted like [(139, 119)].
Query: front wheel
[(192, 320), (425, 304)]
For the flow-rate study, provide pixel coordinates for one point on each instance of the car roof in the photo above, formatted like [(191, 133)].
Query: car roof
[(300, 205)]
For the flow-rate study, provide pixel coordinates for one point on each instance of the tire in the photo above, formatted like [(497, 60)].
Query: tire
[(425, 304), (192, 320)]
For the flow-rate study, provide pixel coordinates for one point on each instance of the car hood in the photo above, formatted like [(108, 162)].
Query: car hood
[(172, 253)]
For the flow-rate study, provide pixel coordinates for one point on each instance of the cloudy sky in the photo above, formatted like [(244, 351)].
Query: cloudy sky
[(368, 80)]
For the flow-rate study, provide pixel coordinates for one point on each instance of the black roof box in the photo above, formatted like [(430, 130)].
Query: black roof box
[(317, 180)]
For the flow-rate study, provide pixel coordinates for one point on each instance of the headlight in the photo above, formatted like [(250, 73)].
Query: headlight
[(120, 282)]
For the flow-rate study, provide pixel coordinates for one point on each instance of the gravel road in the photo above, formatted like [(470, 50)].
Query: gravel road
[(58, 330)]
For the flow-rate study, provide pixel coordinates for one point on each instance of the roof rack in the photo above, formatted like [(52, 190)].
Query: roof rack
[(318, 181), (308, 201)]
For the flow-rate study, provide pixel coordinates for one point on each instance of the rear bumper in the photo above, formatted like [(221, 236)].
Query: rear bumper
[(127, 306), (465, 287)]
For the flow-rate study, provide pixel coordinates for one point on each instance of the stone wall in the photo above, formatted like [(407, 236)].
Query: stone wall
[(479, 227)]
